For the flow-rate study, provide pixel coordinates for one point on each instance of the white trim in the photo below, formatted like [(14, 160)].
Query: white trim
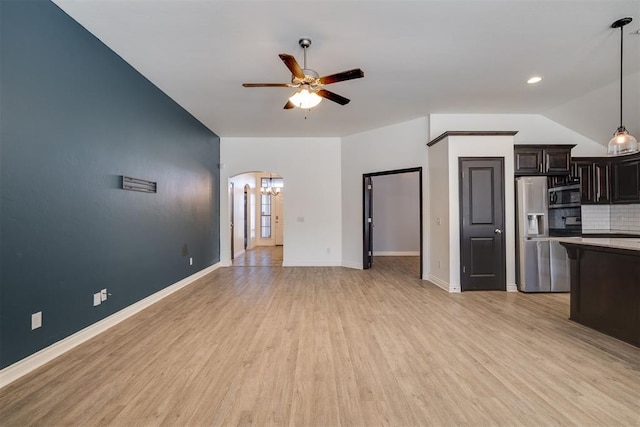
[(396, 253), (351, 264), (512, 287), (47, 354), (237, 254), (311, 263), (444, 285), (454, 289)]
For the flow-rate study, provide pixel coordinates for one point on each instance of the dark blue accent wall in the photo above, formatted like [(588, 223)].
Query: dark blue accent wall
[(74, 118)]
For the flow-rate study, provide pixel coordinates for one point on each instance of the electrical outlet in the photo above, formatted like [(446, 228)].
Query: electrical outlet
[(190, 261), (36, 320), (103, 295), (97, 299)]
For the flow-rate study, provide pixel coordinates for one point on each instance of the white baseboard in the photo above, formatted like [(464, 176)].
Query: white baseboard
[(47, 354), (237, 254), (512, 287), (444, 285), (351, 264), (396, 253), (310, 263)]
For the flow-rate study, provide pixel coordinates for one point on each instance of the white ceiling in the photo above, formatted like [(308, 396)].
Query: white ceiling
[(419, 57)]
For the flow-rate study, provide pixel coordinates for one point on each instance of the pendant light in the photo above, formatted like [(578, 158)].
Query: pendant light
[(622, 142)]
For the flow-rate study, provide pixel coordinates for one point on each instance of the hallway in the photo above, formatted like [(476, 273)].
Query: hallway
[(260, 256)]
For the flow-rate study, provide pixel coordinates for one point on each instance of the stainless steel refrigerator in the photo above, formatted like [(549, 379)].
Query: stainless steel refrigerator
[(537, 268)]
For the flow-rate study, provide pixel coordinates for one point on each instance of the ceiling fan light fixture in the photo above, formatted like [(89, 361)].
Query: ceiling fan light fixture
[(305, 99)]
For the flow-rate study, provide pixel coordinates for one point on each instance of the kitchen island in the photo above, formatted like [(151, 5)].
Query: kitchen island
[(605, 284)]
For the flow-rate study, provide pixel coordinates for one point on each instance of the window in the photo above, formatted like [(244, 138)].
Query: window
[(265, 216), (265, 204)]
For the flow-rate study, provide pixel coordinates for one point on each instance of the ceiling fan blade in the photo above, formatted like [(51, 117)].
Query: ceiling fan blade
[(266, 85), (292, 65), (333, 97), (356, 73), (289, 105)]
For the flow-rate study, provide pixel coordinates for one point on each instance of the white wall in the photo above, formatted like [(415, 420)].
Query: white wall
[(532, 129), (438, 226), (445, 204), (587, 116), (396, 214), (312, 214), (399, 146)]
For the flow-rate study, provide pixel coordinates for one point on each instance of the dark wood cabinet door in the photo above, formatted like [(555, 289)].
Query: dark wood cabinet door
[(557, 161), (528, 161), (626, 181), (584, 171), (602, 182)]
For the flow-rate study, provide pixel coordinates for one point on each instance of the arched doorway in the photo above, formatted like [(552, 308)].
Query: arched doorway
[(256, 210)]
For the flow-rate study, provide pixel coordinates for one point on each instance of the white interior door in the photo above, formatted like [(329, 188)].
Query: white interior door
[(278, 219)]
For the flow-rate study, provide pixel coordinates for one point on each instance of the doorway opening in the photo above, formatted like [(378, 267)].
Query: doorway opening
[(392, 226), (256, 212)]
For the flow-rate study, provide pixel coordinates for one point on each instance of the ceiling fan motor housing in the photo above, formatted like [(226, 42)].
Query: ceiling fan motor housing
[(304, 42)]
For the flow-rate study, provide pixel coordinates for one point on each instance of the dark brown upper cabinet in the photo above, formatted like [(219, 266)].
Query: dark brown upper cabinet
[(583, 170), (626, 179), (595, 179), (542, 159), (606, 180)]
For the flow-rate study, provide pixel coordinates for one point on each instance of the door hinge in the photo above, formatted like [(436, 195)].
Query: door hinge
[(464, 269), (369, 220), (369, 187), (370, 253)]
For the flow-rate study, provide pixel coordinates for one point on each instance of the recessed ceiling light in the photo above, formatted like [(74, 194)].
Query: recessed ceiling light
[(534, 79)]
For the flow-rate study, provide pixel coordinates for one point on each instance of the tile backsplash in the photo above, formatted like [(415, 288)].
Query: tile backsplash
[(611, 217), (625, 217)]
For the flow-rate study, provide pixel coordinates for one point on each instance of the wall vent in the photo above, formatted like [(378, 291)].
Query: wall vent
[(136, 184)]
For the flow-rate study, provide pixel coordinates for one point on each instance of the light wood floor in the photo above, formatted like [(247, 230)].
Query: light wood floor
[(260, 256), (336, 346)]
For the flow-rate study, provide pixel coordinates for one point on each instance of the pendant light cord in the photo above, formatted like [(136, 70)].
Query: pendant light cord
[(621, 42)]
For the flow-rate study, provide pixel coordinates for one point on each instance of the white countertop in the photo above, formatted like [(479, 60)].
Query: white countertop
[(632, 243)]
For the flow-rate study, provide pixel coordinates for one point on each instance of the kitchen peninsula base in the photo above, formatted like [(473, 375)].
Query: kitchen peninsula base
[(605, 286)]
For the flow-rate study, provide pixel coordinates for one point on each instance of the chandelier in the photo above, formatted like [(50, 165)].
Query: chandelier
[(270, 189)]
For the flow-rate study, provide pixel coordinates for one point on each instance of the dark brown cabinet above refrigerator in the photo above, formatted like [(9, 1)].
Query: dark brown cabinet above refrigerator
[(547, 160)]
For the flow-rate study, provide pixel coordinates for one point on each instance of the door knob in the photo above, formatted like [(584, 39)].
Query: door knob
[(497, 231)]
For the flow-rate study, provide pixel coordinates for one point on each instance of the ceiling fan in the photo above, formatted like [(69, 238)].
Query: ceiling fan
[(309, 82)]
